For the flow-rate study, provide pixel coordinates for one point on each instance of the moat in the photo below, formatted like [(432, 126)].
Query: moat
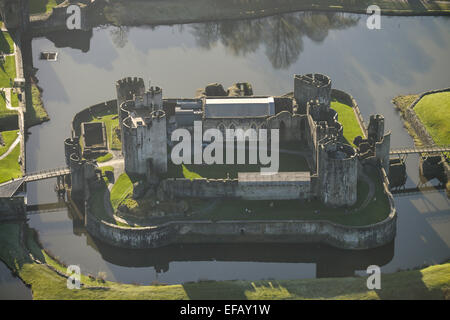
[(373, 78)]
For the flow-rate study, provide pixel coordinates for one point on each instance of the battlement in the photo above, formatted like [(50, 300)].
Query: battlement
[(311, 86), (314, 80)]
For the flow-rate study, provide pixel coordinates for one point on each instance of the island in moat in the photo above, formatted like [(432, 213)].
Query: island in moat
[(332, 184)]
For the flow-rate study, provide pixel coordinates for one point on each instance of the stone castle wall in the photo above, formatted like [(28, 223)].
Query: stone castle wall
[(233, 188), (299, 231), (347, 99)]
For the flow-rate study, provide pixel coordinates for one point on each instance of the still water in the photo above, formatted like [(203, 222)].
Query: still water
[(408, 55)]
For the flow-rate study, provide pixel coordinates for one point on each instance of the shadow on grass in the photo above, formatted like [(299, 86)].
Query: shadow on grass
[(214, 290)]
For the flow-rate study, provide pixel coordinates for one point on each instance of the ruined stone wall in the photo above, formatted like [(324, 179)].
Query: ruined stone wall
[(299, 231), (382, 150), (232, 188), (200, 188), (283, 190), (293, 125), (87, 114), (347, 99)]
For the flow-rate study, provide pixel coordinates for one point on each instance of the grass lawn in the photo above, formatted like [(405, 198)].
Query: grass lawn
[(8, 72), (104, 158), (10, 167), (6, 43), (376, 211), (288, 163), (434, 112), (121, 189), (111, 122), (429, 283), (43, 6), (347, 117), (8, 138), (4, 112)]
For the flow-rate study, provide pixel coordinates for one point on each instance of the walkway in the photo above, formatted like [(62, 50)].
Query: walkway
[(419, 150), (11, 148)]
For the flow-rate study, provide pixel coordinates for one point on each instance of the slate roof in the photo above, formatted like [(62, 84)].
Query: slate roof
[(254, 107), (8, 189)]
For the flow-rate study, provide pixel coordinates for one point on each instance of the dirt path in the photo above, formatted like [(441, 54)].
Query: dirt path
[(11, 148)]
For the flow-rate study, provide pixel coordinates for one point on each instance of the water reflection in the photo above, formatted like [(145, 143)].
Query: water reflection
[(11, 287), (281, 35), (374, 66)]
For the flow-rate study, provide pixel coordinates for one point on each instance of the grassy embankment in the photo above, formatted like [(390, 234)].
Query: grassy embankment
[(429, 283), (433, 111), (43, 6), (9, 166), (36, 113)]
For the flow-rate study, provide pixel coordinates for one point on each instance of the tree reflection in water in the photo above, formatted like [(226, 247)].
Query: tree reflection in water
[(281, 35)]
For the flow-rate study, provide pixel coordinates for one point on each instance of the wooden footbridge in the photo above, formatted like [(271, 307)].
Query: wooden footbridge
[(406, 151), (8, 189), (47, 174)]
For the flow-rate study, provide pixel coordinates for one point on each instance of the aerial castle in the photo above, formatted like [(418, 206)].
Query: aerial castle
[(146, 121)]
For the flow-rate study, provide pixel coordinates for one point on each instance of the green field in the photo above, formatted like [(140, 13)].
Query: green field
[(121, 189), (105, 158), (429, 283), (10, 167), (8, 72), (6, 43), (347, 117), (434, 112), (8, 137), (288, 163), (36, 113), (111, 122)]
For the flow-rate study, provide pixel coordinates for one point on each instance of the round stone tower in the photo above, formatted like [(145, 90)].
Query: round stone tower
[(71, 146), (313, 86), (77, 176), (338, 174)]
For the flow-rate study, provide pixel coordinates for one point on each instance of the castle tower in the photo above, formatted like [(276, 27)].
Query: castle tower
[(313, 86), (376, 128), (71, 146), (380, 140), (77, 176), (144, 143), (127, 89), (338, 174)]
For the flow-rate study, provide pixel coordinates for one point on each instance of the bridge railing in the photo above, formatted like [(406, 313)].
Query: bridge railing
[(46, 172), (435, 148)]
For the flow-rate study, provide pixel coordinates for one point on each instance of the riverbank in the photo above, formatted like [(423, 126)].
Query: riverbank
[(138, 12), (47, 279), (425, 117)]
